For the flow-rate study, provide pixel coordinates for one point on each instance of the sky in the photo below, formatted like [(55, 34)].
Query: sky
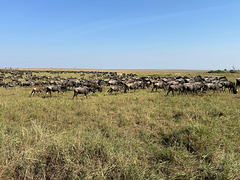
[(120, 34)]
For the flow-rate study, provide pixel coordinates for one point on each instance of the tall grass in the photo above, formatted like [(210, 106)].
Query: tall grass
[(141, 135)]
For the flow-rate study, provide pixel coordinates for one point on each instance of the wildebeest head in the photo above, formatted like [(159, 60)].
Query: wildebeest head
[(235, 90), (90, 89)]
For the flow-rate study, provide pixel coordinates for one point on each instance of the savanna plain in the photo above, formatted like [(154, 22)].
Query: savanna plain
[(133, 135)]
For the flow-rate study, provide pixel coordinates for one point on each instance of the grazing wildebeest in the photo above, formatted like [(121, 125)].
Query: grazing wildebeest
[(175, 87), (146, 83), (3, 84), (116, 89), (159, 85), (83, 90), (223, 78), (113, 82), (129, 86), (27, 83), (229, 84), (51, 89), (39, 89), (194, 87), (95, 86), (235, 89), (38, 83), (214, 86)]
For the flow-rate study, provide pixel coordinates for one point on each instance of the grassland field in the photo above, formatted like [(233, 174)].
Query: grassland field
[(137, 135)]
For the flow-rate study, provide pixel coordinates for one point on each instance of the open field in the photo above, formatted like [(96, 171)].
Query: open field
[(137, 135)]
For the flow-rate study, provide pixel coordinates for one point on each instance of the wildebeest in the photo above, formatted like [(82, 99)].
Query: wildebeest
[(159, 85), (27, 83), (83, 90), (113, 82), (238, 82), (95, 86), (214, 86), (116, 89), (129, 86), (39, 89), (51, 89), (194, 87), (234, 89), (175, 87), (229, 84), (3, 84)]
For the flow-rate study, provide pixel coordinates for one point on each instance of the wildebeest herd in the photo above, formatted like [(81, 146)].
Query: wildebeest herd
[(92, 81)]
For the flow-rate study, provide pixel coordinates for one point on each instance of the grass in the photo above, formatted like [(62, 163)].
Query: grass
[(141, 135)]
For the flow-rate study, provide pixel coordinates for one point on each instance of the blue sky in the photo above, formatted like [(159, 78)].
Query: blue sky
[(120, 34)]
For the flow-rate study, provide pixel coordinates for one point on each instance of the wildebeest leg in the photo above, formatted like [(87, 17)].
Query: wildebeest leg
[(152, 88), (85, 94), (179, 91), (168, 91), (214, 91), (32, 93), (75, 94)]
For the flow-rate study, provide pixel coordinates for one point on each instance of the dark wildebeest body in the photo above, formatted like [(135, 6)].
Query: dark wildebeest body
[(116, 89), (194, 87), (238, 82), (175, 87), (229, 84), (51, 89), (214, 86), (132, 86), (40, 90), (95, 86), (113, 82), (83, 90), (235, 89), (159, 85), (27, 83)]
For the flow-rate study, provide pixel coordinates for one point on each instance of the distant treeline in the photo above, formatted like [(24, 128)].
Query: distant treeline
[(223, 71)]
